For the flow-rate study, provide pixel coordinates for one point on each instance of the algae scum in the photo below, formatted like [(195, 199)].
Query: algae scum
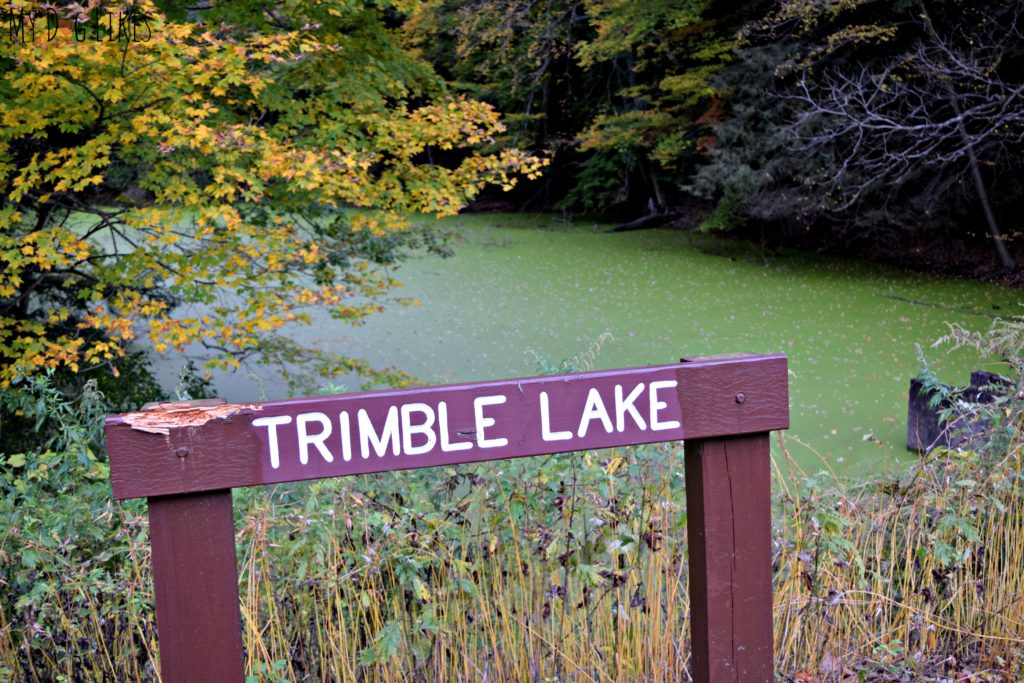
[(527, 291)]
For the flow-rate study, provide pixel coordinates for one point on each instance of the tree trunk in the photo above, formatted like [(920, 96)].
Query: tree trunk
[(979, 183)]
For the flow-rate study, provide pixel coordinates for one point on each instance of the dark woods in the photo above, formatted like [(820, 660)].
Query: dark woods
[(881, 126)]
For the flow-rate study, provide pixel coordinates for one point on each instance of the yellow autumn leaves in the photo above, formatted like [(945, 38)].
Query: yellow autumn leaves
[(241, 154)]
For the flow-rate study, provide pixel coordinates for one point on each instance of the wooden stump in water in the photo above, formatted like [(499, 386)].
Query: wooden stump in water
[(926, 431)]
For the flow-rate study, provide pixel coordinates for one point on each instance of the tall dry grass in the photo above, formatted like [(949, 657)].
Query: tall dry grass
[(563, 569), (916, 578), (481, 592)]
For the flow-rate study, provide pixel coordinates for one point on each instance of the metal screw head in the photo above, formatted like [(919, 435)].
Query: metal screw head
[(182, 451), (740, 397)]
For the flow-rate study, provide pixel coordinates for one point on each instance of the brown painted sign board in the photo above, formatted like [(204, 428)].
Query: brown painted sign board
[(182, 448), (186, 457)]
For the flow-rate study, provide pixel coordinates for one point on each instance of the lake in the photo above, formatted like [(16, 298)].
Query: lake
[(524, 292)]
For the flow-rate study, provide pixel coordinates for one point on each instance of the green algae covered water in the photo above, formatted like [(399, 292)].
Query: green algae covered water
[(526, 291)]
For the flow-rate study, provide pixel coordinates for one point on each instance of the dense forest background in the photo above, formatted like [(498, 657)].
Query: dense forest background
[(893, 129), (276, 149)]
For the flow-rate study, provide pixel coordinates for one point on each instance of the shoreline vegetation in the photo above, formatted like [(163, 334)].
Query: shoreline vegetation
[(557, 568)]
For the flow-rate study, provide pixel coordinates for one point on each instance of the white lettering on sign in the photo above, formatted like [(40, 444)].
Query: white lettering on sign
[(626, 406), (545, 422), (484, 422), (425, 428), (346, 436), (305, 439), (657, 405), (380, 442), (273, 423), (442, 426), (418, 428), (594, 409)]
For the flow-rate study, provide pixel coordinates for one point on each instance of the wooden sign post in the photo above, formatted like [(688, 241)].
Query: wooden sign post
[(186, 457)]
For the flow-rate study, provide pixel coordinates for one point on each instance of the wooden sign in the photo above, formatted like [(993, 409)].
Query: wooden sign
[(177, 448), (186, 457)]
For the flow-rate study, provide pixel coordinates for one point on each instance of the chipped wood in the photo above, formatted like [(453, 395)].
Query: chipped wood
[(161, 418)]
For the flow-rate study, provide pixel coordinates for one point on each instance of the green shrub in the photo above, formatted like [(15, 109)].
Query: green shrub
[(74, 588)]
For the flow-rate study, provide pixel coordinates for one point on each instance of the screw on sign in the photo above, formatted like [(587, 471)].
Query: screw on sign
[(186, 457)]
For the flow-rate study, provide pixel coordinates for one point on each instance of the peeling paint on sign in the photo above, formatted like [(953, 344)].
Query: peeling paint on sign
[(163, 417)]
